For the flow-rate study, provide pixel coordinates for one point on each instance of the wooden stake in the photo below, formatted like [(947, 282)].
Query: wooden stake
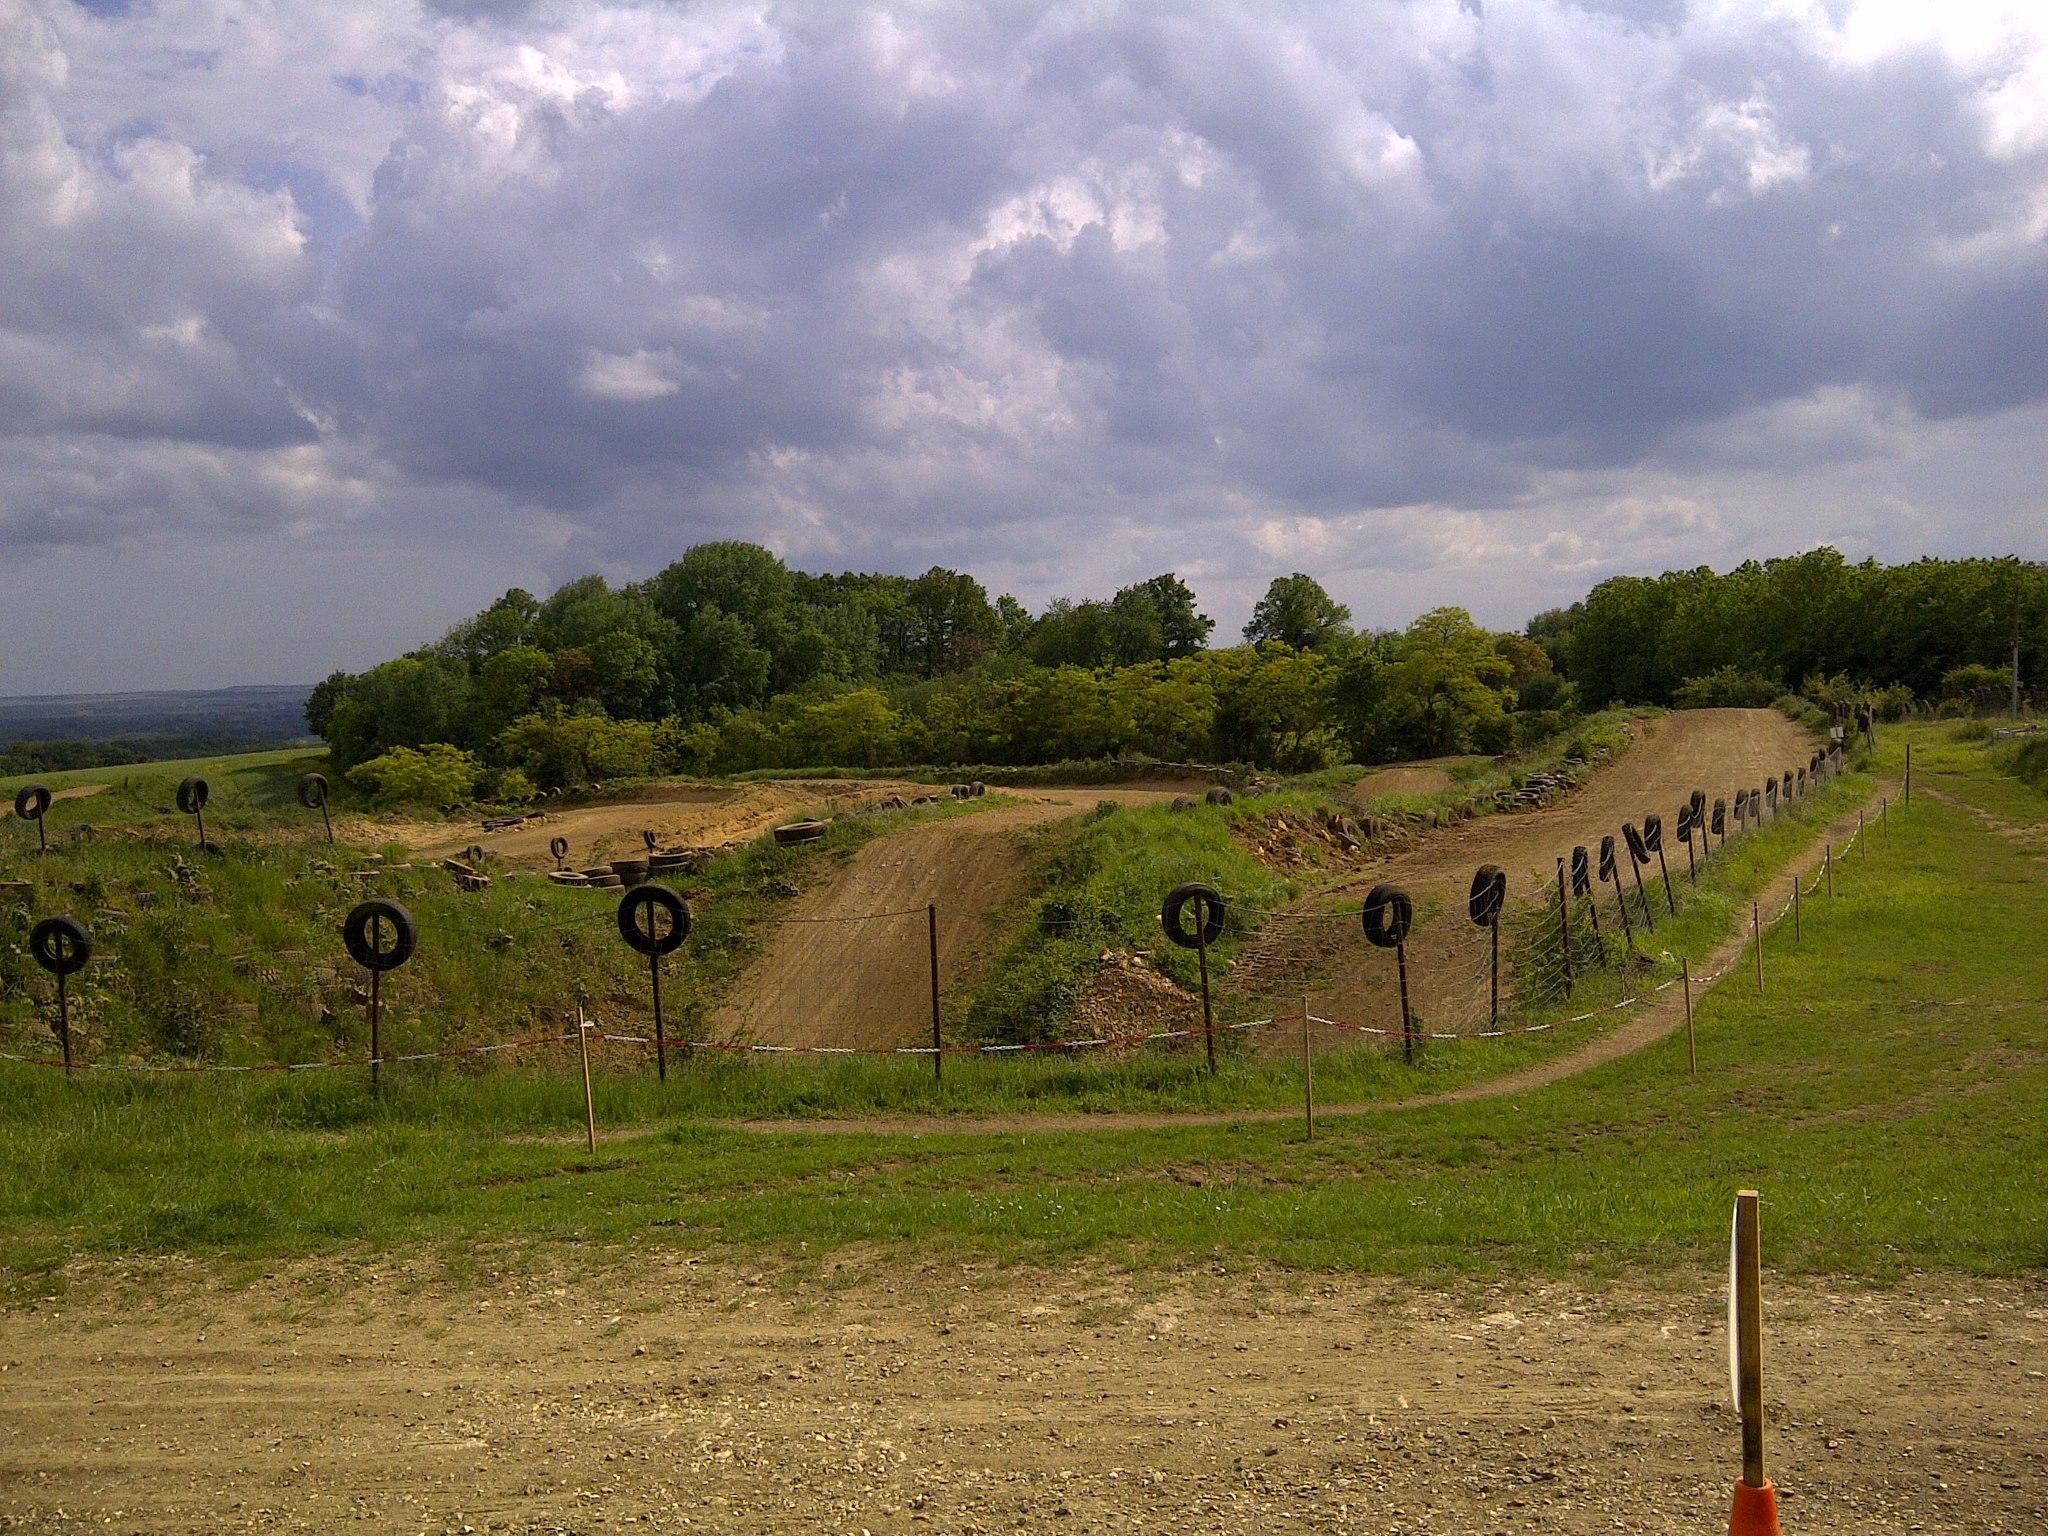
[(1308, 1076), (1692, 1054), (931, 917), (589, 1102), (1748, 1308)]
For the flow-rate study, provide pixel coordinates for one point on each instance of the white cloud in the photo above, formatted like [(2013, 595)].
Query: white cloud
[(1507, 296)]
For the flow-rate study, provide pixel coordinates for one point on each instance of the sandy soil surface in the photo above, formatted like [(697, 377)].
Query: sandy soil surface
[(685, 1396), (678, 814), (823, 981), (1401, 779), (78, 791), (1715, 750)]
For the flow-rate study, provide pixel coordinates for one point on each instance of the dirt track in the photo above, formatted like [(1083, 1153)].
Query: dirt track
[(688, 1396), (821, 981), (1715, 750)]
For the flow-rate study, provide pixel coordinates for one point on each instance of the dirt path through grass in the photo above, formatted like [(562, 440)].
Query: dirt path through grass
[(931, 1397)]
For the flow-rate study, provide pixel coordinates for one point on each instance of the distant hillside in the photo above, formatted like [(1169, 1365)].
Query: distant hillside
[(167, 724)]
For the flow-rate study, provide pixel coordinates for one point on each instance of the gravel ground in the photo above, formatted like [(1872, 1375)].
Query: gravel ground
[(686, 1396)]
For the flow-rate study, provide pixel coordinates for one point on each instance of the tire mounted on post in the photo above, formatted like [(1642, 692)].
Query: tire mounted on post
[(661, 898), (1173, 912)]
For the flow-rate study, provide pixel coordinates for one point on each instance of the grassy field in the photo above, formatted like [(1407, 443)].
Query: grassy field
[(246, 789), (1886, 1094)]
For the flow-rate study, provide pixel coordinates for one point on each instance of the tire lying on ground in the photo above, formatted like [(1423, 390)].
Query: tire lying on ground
[(792, 832), (1182, 803), (977, 789), (1217, 795)]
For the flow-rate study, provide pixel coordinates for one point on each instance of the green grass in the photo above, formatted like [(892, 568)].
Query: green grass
[(1885, 1095), (235, 957), (246, 789)]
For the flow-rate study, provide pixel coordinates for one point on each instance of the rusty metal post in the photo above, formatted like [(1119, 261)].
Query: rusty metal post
[(1756, 928), (64, 1020), (931, 918), (1202, 954), (1649, 914), (1493, 986), (1749, 1334), (589, 1099), (1407, 1020), (1692, 1052), (376, 1002), (1621, 901), (1670, 900), (1564, 923)]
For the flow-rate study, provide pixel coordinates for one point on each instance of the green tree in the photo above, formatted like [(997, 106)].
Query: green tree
[(952, 623), (435, 774), (1297, 612), (1183, 628), (1448, 688), (558, 747)]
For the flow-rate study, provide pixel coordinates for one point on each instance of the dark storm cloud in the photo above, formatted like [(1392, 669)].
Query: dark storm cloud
[(1381, 289)]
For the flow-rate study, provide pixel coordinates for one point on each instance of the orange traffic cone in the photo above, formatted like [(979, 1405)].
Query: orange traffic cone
[(1756, 1511)]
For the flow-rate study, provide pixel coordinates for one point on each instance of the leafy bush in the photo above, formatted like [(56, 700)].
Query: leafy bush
[(1974, 684), (1726, 687), (436, 774)]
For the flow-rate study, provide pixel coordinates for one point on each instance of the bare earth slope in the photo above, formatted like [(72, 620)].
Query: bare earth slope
[(821, 981), (1715, 750)]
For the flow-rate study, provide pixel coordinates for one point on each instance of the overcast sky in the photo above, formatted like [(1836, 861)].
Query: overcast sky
[(321, 324)]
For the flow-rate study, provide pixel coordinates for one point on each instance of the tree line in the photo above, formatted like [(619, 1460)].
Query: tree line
[(728, 661), (1930, 630)]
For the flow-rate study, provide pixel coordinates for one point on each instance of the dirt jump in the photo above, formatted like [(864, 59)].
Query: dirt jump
[(824, 981)]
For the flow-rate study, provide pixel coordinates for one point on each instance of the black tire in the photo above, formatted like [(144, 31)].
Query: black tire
[(1719, 825), (193, 794), (648, 838), (963, 791), (60, 945), (659, 897), (1653, 832), (793, 832), (474, 853), (32, 802), (977, 789), (1582, 872), (1699, 806), (1606, 858), (1637, 848), (312, 790), (1173, 911), (1217, 795), (558, 848), (1683, 829), (1489, 894), (355, 934), (1389, 916)]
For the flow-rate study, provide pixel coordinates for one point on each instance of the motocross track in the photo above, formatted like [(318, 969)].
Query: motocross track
[(823, 981), (1715, 750), (677, 1395)]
